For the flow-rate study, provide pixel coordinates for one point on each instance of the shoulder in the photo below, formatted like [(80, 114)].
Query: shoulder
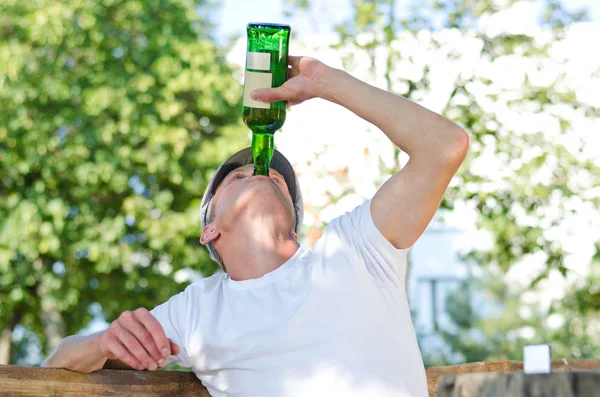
[(340, 233), (194, 292), (185, 305), (346, 224), (205, 285)]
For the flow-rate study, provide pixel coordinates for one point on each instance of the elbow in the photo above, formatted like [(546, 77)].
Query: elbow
[(455, 150), (76, 353), (56, 358), (50, 361)]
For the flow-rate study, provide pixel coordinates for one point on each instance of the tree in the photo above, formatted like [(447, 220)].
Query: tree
[(569, 325), (529, 182), (113, 115)]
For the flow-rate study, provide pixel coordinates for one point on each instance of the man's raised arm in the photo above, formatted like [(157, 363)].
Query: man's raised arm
[(405, 204)]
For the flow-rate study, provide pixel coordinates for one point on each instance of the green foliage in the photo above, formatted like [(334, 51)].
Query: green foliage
[(113, 115), (570, 326), (539, 179)]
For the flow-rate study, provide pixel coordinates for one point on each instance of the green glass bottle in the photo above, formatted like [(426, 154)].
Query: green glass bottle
[(266, 67)]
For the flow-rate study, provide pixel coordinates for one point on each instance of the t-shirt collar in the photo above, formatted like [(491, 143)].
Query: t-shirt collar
[(269, 277)]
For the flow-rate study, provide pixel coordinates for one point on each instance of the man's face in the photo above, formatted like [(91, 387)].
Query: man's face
[(242, 193)]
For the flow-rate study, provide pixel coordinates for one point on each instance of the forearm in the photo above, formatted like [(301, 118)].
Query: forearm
[(78, 353), (409, 126)]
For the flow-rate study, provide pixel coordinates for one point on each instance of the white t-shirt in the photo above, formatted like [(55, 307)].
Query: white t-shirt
[(331, 321)]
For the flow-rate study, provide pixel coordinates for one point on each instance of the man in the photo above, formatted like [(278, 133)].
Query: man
[(285, 320)]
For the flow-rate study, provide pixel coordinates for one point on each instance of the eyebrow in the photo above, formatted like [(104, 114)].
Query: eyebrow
[(228, 178), (277, 173)]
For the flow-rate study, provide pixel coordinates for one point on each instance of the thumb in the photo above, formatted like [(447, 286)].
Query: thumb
[(282, 93), (174, 348)]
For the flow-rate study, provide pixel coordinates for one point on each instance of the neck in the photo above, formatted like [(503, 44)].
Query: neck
[(251, 250)]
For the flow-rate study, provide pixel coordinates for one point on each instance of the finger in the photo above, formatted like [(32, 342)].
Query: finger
[(293, 68), (134, 347), (294, 62), (282, 93), (158, 342), (139, 332), (119, 352), (175, 350), (271, 94)]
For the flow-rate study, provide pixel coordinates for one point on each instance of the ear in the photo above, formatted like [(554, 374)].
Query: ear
[(209, 234), (294, 236)]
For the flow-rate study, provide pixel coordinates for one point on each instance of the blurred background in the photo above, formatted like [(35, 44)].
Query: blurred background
[(115, 113)]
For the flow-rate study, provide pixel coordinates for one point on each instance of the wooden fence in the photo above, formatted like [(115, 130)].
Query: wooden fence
[(20, 381)]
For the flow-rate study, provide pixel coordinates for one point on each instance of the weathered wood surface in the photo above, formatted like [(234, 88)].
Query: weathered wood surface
[(557, 384), (40, 382), (504, 367)]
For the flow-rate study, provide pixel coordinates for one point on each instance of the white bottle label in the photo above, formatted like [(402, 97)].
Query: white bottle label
[(253, 81), (258, 61)]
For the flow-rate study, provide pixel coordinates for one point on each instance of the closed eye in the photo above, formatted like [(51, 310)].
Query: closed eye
[(235, 176)]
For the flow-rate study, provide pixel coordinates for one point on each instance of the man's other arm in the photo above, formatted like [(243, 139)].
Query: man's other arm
[(78, 353), (135, 340)]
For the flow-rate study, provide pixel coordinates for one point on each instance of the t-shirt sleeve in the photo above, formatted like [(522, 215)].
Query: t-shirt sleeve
[(171, 315), (383, 261)]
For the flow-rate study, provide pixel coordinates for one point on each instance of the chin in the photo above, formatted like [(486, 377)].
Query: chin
[(267, 201)]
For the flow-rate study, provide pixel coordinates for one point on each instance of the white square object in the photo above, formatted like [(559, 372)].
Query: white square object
[(537, 359), (253, 81), (258, 61)]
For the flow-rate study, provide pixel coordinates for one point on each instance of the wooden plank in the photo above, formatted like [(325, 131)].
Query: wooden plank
[(20, 381), (433, 373), (33, 381), (557, 384)]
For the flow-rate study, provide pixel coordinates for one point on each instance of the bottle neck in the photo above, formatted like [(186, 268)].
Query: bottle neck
[(263, 146)]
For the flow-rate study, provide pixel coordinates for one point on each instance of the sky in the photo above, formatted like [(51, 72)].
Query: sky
[(235, 14)]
